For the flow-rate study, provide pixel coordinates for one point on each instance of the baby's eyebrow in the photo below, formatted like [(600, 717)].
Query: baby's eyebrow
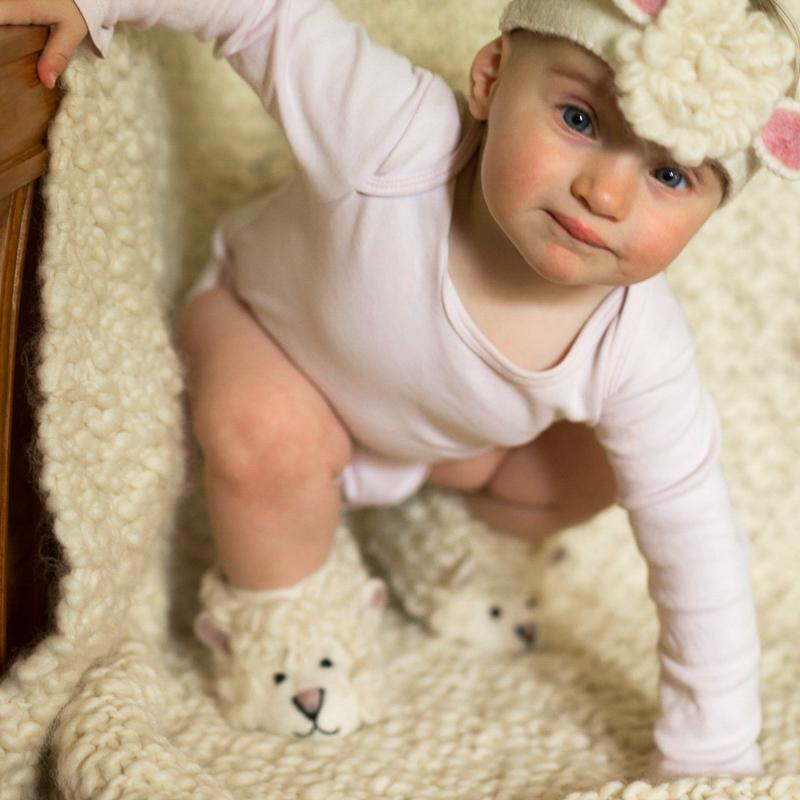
[(599, 85)]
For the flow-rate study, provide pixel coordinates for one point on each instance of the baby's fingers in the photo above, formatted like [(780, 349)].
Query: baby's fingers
[(61, 44), (67, 30)]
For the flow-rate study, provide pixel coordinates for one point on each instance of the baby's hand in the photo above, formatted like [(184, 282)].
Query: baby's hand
[(67, 30)]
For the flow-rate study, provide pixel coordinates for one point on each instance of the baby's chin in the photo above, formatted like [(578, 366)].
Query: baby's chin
[(560, 267)]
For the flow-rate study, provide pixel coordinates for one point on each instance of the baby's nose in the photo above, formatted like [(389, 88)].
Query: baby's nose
[(607, 184), (527, 633), (309, 701)]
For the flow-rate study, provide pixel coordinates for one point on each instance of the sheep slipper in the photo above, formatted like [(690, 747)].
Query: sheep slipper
[(300, 662), (466, 581)]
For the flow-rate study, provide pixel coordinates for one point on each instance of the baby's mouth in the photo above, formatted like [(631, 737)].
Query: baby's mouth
[(577, 230)]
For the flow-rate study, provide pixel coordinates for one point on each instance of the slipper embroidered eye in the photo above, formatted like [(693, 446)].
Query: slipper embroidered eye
[(778, 145)]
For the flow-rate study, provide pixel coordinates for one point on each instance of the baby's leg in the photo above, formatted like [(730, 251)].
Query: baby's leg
[(272, 446), (560, 479)]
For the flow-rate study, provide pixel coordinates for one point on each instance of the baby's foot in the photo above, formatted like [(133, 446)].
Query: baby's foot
[(303, 661)]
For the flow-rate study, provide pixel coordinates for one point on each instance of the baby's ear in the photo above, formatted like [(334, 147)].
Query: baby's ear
[(210, 635), (484, 73), (778, 144), (375, 594)]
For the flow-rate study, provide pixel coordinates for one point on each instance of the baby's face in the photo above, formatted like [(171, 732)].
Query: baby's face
[(560, 165)]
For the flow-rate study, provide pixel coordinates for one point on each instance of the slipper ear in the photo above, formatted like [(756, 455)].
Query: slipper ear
[(641, 11), (778, 144), (375, 594), (463, 574), (210, 635)]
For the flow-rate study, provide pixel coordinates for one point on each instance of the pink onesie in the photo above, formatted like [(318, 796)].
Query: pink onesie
[(346, 266)]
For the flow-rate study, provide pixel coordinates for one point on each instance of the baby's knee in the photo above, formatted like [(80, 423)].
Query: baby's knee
[(255, 438)]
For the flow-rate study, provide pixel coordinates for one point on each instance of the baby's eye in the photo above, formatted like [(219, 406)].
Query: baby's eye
[(577, 119), (279, 677), (496, 612), (326, 662), (671, 177)]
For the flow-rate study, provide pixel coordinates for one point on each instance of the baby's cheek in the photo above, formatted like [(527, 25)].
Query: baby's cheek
[(501, 192), (502, 177), (657, 245), (516, 177)]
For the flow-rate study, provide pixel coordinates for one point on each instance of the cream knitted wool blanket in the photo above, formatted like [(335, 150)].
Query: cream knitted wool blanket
[(149, 147)]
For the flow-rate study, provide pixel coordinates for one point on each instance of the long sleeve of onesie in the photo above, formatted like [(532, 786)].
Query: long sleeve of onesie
[(343, 101), (661, 433)]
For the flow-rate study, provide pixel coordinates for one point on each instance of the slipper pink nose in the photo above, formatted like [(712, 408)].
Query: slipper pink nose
[(309, 701), (527, 633)]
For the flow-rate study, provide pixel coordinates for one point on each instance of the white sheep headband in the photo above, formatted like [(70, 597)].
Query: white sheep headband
[(706, 79)]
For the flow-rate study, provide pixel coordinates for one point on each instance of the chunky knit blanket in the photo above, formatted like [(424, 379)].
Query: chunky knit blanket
[(149, 147)]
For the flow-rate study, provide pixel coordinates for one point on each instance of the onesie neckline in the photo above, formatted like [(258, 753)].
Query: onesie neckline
[(473, 337)]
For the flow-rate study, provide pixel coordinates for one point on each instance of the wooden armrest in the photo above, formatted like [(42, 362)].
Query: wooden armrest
[(26, 544)]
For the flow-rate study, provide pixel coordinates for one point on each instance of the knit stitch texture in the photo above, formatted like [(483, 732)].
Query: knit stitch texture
[(148, 148)]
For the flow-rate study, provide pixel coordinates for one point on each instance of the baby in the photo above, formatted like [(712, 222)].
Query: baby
[(468, 292)]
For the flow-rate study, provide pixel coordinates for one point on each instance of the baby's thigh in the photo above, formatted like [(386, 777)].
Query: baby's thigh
[(560, 479), (467, 474), (248, 401), (564, 466)]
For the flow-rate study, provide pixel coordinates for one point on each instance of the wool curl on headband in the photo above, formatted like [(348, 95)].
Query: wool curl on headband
[(685, 85)]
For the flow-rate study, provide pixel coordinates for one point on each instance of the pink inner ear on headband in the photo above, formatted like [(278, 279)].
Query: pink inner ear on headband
[(651, 7), (781, 137)]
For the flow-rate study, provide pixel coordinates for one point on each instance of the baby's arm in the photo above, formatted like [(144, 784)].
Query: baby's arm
[(661, 433), (343, 101)]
